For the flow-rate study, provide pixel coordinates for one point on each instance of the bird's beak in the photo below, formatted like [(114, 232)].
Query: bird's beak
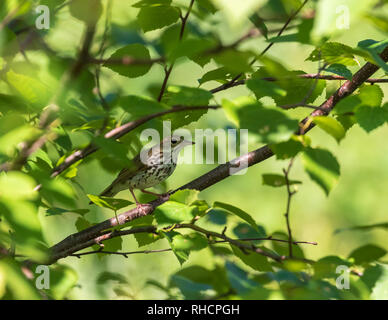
[(188, 142)]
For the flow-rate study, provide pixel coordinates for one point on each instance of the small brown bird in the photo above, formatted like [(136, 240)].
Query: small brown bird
[(151, 167)]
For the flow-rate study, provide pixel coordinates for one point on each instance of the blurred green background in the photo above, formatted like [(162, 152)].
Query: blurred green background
[(360, 198)]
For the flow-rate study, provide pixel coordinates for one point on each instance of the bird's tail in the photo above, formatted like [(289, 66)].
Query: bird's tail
[(108, 192)]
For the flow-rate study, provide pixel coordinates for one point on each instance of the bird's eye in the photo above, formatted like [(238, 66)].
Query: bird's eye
[(174, 140)]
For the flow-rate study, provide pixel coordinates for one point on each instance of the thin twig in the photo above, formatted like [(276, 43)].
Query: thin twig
[(290, 193), (236, 78), (168, 70)]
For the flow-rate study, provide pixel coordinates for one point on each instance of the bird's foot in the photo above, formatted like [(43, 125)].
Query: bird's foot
[(143, 208), (165, 196)]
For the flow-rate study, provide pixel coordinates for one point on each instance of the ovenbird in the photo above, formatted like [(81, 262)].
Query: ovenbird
[(151, 167)]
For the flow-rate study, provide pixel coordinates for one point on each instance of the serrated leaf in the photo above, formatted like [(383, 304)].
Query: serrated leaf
[(370, 118), (289, 149), (334, 53), (186, 196), (322, 167), (110, 203), (172, 212), (371, 95), (340, 70), (277, 180), (347, 104), (130, 51), (237, 211), (331, 126), (181, 255), (143, 239)]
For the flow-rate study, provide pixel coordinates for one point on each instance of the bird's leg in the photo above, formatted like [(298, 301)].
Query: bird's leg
[(159, 195), (140, 206)]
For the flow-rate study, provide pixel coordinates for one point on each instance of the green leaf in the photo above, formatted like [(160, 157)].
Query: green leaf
[(221, 75), (23, 220), (106, 276), (259, 24), (59, 211), (144, 239), (340, 70), (367, 253), (58, 192), (172, 212), (235, 61), (17, 185), (17, 283), (189, 242), (186, 96), (370, 227), (322, 167), (271, 125), (331, 126), (181, 255), (114, 150), (186, 196), (277, 180), (110, 203), (237, 211), (289, 149), (31, 89), (374, 48), (334, 53), (151, 3), (196, 49), (62, 280), (376, 278), (245, 231), (371, 95), (326, 267), (370, 118), (138, 106), (254, 260), (348, 104), (239, 279), (88, 11), (190, 290), (130, 51), (156, 17), (262, 88), (282, 249)]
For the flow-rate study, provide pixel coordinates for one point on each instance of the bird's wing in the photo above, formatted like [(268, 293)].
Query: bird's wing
[(125, 175)]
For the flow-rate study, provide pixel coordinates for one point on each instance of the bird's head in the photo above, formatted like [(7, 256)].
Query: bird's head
[(172, 145)]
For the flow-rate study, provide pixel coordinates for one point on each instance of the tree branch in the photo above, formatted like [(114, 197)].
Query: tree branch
[(219, 173)]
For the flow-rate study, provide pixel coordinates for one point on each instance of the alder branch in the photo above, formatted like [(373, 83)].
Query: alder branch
[(168, 70), (236, 78), (290, 194), (216, 175)]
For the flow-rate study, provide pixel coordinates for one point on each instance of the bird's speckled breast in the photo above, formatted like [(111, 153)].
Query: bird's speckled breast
[(152, 176)]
